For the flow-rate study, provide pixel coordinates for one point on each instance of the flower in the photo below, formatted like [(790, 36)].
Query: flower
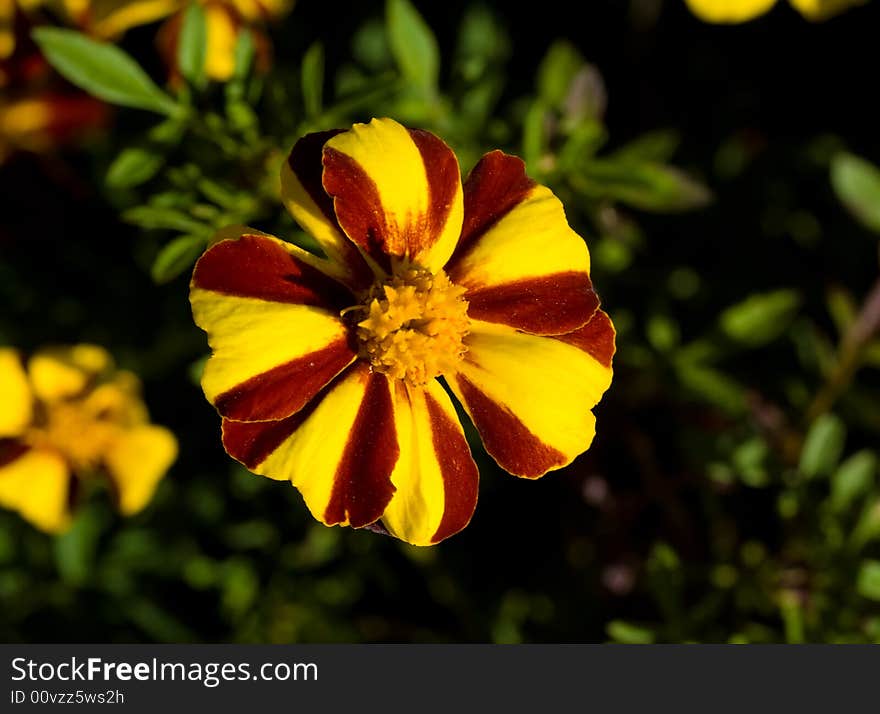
[(224, 20), (325, 370), (68, 417), (734, 11)]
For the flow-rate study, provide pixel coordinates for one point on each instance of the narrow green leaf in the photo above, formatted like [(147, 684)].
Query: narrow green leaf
[(857, 184), (103, 70), (192, 47), (160, 218), (413, 45), (557, 71), (853, 479), (177, 256), (534, 136), (134, 166), (868, 581), (760, 318), (313, 79), (823, 446), (713, 386), (244, 55)]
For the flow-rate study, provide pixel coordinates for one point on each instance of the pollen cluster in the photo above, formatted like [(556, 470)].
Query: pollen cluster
[(414, 326)]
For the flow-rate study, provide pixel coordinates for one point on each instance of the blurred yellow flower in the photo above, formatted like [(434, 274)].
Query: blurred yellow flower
[(225, 19), (733, 11), (69, 416)]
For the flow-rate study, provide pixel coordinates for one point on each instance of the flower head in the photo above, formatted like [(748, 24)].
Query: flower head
[(67, 417), (734, 11), (326, 370)]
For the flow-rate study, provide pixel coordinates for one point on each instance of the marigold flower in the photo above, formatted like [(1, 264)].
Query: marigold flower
[(734, 11), (66, 417), (325, 370)]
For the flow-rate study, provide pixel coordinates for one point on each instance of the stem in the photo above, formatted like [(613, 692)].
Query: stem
[(862, 330)]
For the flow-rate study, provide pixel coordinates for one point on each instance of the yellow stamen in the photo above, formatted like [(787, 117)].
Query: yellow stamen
[(414, 325), (72, 429)]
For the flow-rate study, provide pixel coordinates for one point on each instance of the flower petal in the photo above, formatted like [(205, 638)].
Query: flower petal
[(36, 484), (521, 262), (273, 325), (729, 11), (16, 400), (529, 397), (397, 192), (137, 461), (111, 18), (61, 372), (436, 477), (339, 451), (305, 198), (817, 10)]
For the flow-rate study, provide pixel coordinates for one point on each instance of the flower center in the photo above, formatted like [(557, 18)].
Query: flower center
[(74, 431), (413, 325)]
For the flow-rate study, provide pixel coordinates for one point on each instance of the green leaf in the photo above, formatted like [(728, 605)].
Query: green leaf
[(649, 186), (134, 166), (102, 70), (868, 581), (857, 184), (192, 47), (313, 79), (557, 71), (245, 49), (713, 386), (75, 549), (161, 218), (760, 318), (534, 136), (658, 145), (628, 633), (823, 446), (854, 478), (177, 256), (413, 45)]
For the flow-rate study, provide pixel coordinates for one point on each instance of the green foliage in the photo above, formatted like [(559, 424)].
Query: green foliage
[(193, 45), (760, 319), (857, 183), (102, 70), (414, 46)]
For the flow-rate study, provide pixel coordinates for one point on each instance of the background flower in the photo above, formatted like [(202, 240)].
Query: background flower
[(733, 11), (70, 417)]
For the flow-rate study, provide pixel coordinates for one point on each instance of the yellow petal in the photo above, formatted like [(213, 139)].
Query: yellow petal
[(16, 400), (111, 18), (7, 28), (37, 485), (274, 328), (817, 10), (137, 461), (222, 35), (61, 372), (397, 192), (729, 11), (529, 397), (435, 477)]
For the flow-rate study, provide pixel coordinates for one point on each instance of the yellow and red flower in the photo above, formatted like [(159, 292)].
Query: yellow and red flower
[(66, 417), (325, 369), (735, 11)]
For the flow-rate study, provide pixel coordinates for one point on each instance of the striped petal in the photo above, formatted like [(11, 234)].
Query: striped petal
[(304, 196), (137, 461), (397, 192), (273, 325), (16, 400), (436, 477), (530, 396), (817, 10), (521, 262), (36, 484), (339, 451), (729, 11)]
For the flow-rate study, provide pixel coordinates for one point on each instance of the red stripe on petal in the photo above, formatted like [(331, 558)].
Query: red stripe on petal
[(10, 450), (258, 267), (362, 487), (546, 305), (285, 389), (493, 188), (357, 205), (506, 438), (305, 162), (596, 338), (444, 177), (461, 477), (251, 442)]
